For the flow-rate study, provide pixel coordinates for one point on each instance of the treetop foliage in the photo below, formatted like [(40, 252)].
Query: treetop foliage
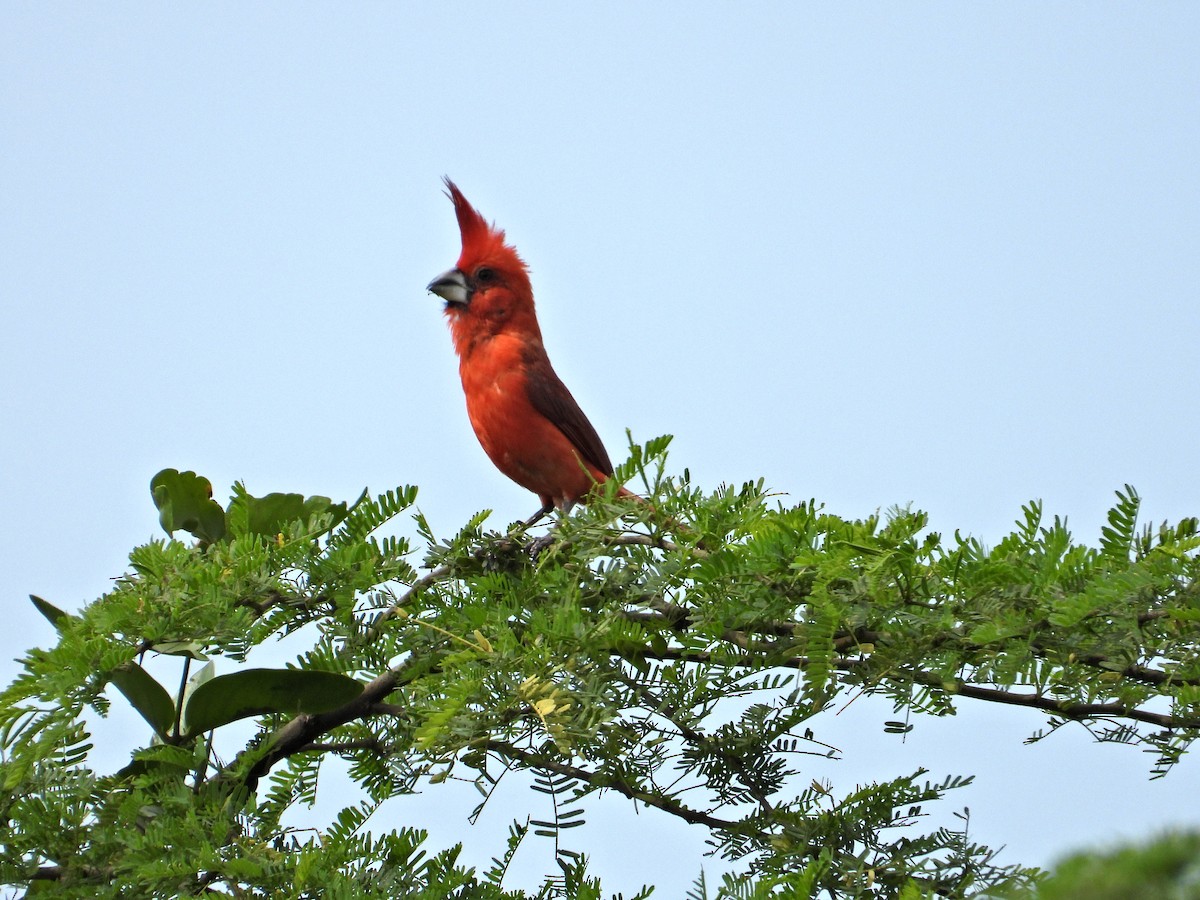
[(681, 654)]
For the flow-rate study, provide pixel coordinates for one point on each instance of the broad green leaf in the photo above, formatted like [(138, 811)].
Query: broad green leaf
[(253, 692), (274, 513), (271, 514), (179, 648), (146, 695), (184, 501), (56, 616)]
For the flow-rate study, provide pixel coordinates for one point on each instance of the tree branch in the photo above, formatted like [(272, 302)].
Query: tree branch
[(601, 781), (1063, 708), (301, 733)]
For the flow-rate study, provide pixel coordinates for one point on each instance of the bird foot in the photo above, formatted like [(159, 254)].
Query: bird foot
[(539, 545)]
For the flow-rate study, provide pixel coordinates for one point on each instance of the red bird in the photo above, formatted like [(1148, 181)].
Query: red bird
[(524, 416)]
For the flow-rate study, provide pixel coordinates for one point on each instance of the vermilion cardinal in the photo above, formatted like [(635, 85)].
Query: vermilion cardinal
[(522, 413)]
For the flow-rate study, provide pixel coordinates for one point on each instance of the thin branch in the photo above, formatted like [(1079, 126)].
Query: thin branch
[(1063, 708), (432, 577), (601, 781), (437, 574), (658, 706), (1144, 674), (375, 745), (636, 538), (183, 678), (678, 618)]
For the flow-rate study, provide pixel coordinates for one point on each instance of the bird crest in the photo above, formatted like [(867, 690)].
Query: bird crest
[(480, 239)]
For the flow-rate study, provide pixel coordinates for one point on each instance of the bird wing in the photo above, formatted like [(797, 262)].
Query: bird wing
[(551, 398)]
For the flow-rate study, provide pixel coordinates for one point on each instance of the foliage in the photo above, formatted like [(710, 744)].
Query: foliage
[(1165, 869), (680, 653)]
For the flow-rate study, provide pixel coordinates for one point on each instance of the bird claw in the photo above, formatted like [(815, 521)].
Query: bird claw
[(539, 545)]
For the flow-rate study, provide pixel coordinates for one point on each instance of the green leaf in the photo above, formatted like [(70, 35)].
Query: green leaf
[(184, 501), (1116, 538), (142, 766), (253, 692), (271, 514), (146, 695), (179, 648), (57, 617)]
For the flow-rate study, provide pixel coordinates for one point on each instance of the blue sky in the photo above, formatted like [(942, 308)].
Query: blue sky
[(934, 253)]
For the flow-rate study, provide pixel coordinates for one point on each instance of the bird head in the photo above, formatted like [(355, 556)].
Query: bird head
[(488, 291)]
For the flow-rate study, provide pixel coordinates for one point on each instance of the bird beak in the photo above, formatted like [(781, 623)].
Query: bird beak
[(452, 287)]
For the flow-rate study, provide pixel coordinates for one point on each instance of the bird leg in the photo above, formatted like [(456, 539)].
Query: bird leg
[(539, 515), (539, 544)]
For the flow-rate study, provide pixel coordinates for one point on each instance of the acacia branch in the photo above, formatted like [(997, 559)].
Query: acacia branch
[(301, 733), (375, 745), (601, 781), (669, 712), (679, 619), (1063, 708)]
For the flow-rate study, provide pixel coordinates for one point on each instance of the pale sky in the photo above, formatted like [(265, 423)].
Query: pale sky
[(935, 253)]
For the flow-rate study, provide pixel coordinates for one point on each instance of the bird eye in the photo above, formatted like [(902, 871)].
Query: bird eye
[(485, 275)]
